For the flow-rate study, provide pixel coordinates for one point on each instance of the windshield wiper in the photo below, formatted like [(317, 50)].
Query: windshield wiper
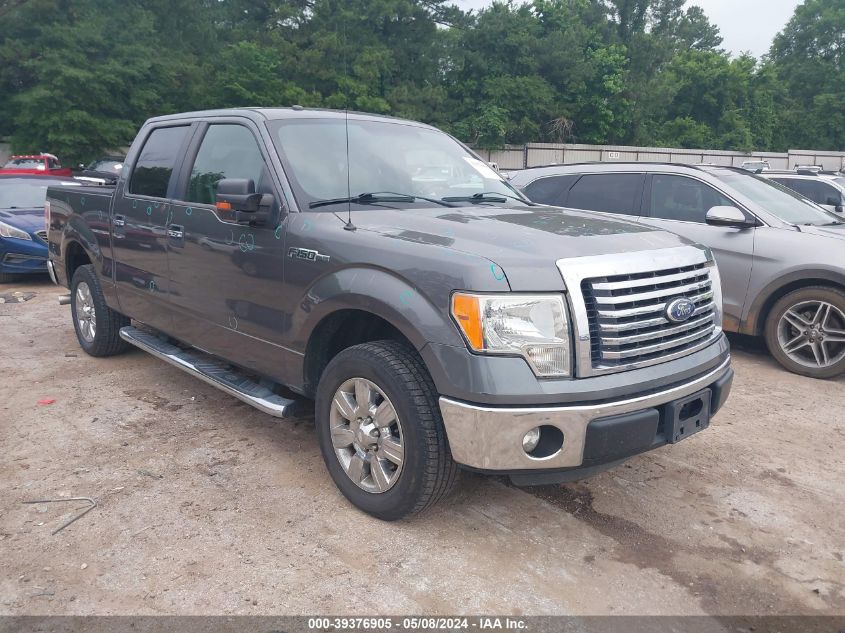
[(377, 197), (487, 196)]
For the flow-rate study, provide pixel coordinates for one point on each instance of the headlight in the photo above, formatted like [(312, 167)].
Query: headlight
[(716, 284), (10, 231), (532, 326)]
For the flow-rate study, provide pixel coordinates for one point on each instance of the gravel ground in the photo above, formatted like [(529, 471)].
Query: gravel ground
[(206, 506)]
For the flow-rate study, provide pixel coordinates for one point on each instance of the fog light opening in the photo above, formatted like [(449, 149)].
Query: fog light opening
[(542, 441)]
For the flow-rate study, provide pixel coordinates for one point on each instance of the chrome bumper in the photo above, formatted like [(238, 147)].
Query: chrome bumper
[(490, 438), (52, 272)]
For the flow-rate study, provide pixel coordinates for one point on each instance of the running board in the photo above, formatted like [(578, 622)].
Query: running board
[(216, 373)]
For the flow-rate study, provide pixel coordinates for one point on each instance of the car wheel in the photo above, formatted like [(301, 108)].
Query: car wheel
[(97, 326), (805, 332), (380, 431)]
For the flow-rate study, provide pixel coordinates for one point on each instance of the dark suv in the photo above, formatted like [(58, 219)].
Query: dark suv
[(781, 257)]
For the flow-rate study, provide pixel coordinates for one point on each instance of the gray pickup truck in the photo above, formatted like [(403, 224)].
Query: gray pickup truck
[(435, 317)]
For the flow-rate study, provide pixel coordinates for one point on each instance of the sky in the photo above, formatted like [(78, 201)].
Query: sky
[(746, 25)]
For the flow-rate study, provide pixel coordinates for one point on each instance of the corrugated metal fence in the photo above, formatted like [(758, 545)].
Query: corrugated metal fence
[(536, 154)]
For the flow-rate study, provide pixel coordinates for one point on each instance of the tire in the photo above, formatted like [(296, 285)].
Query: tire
[(86, 298), (397, 375), (805, 331)]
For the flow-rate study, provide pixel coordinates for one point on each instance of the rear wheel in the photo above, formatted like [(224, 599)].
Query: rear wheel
[(380, 430), (805, 332), (97, 326)]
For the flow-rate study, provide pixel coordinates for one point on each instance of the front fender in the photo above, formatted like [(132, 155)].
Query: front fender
[(379, 292)]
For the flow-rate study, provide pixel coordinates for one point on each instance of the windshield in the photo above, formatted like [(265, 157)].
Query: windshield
[(26, 194), (778, 200), (27, 163), (110, 166), (384, 156)]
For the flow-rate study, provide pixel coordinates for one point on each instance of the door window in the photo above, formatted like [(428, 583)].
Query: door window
[(551, 190), (154, 167), (612, 193), (828, 194), (804, 187), (681, 198), (816, 190), (227, 151)]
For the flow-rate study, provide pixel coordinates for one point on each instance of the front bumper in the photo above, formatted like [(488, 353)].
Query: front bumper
[(22, 256), (490, 438)]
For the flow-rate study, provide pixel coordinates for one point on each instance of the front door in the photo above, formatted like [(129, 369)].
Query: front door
[(680, 204), (227, 277), (139, 239)]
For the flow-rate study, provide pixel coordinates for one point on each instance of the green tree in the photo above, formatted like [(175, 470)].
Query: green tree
[(809, 57)]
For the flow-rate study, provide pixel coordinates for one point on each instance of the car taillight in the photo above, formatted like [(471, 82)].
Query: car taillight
[(47, 215)]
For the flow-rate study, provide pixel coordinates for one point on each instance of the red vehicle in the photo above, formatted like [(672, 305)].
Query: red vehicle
[(37, 164)]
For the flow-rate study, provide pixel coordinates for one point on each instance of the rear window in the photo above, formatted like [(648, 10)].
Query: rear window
[(155, 164), (611, 193), (550, 190)]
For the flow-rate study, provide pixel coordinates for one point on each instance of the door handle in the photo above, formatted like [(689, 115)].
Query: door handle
[(176, 231), (120, 220)]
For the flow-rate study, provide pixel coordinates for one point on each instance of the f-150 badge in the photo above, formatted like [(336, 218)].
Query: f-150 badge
[(307, 254)]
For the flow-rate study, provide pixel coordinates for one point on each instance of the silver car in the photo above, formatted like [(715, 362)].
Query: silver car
[(782, 258)]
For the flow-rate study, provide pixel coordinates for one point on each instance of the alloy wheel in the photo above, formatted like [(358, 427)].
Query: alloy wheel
[(812, 333), (86, 315)]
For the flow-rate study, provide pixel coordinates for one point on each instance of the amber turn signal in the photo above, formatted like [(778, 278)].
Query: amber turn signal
[(466, 310)]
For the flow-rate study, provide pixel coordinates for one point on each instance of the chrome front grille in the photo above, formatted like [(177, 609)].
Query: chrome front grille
[(626, 315), (42, 235)]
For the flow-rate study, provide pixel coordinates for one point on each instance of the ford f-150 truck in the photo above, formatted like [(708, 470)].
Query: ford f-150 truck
[(376, 267)]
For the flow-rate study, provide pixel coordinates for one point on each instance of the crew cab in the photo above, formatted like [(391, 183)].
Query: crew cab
[(37, 165), (377, 270)]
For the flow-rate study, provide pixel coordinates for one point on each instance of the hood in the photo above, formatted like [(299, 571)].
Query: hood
[(29, 220), (836, 231), (524, 241)]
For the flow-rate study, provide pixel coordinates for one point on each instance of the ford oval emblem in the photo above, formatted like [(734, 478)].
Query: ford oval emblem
[(679, 310)]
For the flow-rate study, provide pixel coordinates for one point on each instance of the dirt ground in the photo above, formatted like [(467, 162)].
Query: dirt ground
[(206, 506)]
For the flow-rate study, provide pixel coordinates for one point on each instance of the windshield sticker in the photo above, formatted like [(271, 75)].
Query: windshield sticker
[(482, 168)]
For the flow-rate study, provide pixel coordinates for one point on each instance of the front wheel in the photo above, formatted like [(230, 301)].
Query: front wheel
[(380, 430), (805, 332), (97, 326)]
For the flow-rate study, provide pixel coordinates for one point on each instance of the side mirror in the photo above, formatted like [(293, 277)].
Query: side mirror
[(728, 216), (840, 208), (238, 195)]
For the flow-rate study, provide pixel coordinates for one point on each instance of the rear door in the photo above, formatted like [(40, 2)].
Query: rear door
[(227, 277), (140, 214), (680, 204)]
